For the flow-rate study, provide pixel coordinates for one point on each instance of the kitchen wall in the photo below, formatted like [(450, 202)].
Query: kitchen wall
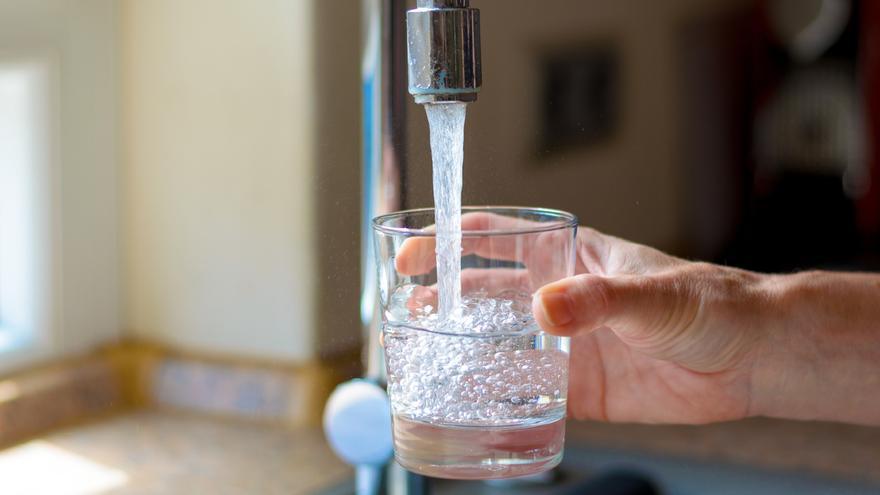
[(337, 72), (78, 41), (240, 139), (218, 177), (630, 184), (235, 177)]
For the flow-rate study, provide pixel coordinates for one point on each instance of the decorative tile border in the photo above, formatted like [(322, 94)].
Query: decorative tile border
[(133, 375)]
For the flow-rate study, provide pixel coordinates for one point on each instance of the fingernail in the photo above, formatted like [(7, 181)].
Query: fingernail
[(557, 308)]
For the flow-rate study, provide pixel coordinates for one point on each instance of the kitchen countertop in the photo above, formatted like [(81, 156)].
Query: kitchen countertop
[(168, 453), (148, 453), (836, 450)]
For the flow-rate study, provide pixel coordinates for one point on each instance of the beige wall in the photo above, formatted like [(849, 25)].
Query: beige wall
[(239, 185), (632, 184), (218, 181), (241, 203), (80, 39)]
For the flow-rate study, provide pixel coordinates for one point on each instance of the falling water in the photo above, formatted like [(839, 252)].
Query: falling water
[(447, 151)]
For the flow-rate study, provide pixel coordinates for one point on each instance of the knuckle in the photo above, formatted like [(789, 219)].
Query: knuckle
[(597, 294)]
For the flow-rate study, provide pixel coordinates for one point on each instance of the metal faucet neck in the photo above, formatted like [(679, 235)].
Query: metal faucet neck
[(443, 4), (443, 42)]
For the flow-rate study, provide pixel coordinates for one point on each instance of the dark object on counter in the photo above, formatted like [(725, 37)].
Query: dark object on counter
[(615, 483)]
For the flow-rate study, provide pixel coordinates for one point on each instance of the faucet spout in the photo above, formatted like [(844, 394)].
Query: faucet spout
[(443, 47)]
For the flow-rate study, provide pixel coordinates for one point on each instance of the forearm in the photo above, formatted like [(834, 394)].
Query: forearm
[(821, 356)]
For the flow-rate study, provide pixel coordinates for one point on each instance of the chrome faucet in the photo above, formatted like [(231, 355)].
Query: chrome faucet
[(443, 65), (441, 55), (443, 42)]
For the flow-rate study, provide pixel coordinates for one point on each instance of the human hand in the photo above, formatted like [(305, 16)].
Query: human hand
[(658, 339), (655, 338)]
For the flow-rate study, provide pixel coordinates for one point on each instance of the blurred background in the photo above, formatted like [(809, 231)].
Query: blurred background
[(180, 186)]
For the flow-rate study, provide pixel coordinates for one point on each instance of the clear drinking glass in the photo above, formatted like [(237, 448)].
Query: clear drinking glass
[(482, 394)]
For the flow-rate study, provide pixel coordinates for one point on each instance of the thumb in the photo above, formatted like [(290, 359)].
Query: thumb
[(640, 309)]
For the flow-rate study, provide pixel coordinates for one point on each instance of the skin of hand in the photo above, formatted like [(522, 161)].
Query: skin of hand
[(657, 339)]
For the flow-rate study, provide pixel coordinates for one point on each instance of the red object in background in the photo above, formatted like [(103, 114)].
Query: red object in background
[(869, 205)]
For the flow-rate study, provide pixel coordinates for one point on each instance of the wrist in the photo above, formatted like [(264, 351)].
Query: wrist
[(775, 360), (817, 349)]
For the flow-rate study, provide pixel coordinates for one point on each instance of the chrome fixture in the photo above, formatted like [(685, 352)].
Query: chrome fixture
[(443, 42), (443, 47)]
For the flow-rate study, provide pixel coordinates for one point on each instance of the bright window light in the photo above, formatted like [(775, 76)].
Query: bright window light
[(25, 152), (40, 468)]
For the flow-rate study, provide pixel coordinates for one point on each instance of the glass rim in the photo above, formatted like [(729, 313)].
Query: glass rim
[(466, 335), (566, 221)]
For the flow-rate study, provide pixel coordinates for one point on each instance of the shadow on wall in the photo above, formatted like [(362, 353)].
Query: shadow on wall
[(338, 177)]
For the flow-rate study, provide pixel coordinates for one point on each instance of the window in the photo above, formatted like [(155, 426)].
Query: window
[(25, 241)]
